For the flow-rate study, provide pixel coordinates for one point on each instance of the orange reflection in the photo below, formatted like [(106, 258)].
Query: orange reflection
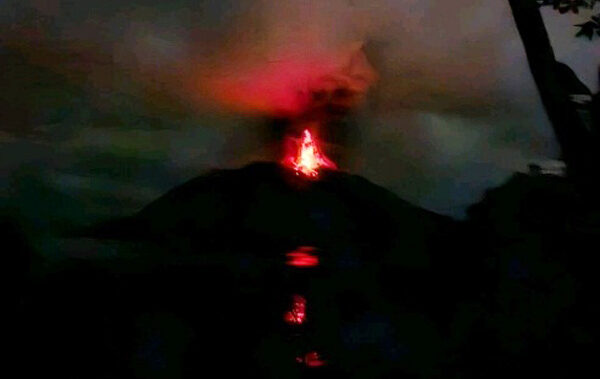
[(304, 256)]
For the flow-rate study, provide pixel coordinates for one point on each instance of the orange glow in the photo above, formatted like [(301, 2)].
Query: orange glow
[(311, 359), (308, 158), (304, 256), (281, 82), (297, 315)]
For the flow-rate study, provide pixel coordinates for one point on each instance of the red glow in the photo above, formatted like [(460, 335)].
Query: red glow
[(308, 158), (304, 256), (311, 359), (282, 81), (297, 315)]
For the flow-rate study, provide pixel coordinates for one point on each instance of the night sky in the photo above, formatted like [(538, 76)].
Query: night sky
[(107, 104)]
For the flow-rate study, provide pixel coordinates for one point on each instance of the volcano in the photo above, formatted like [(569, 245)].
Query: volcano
[(232, 234), (266, 207), (217, 262), (265, 272)]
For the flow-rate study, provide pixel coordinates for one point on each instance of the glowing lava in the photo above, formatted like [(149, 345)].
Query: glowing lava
[(311, 359), (308, 158), (304, 256), (297, 315)]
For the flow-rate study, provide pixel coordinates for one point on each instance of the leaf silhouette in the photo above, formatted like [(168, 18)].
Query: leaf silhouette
[(586, 29)]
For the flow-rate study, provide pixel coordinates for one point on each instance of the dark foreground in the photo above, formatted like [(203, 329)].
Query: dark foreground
[(196, 285)]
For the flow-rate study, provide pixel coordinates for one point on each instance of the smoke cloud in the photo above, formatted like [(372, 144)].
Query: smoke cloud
[(444, 104)]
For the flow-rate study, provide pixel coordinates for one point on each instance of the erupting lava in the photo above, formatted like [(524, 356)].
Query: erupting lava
[(308, 158), (297, 314), (311, 359), (304, 256)]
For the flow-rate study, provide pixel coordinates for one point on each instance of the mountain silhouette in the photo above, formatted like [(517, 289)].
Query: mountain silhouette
[(267, 207), (197, 281)]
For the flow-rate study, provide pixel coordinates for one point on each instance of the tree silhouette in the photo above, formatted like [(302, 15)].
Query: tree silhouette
[(579, 144), (586, 29)]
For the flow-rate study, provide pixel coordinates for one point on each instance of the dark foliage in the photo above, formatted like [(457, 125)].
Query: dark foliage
[(196, 285), (586, 29)]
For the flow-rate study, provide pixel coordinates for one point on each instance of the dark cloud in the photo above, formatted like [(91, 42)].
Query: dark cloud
[(128, 92)]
